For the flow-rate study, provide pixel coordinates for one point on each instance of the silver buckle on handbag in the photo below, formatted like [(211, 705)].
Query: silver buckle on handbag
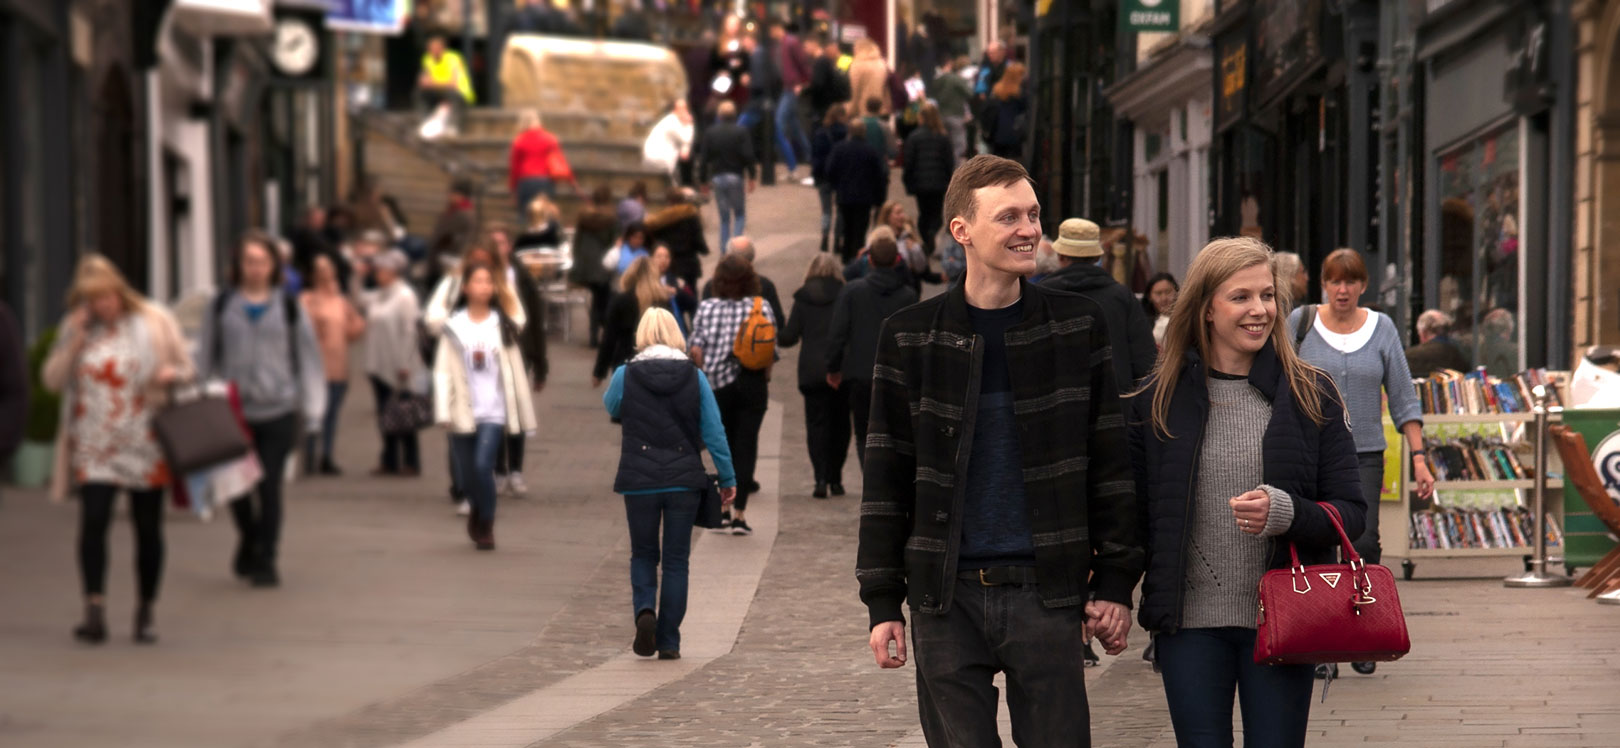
[(1298, 574)]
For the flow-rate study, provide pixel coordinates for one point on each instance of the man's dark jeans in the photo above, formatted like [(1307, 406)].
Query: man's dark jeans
[(1001, 629), (1204, 668), (860, 408)]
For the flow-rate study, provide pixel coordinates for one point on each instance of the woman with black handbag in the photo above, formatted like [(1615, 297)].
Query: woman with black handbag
[(1234, 442), (660, 392), (394, 366), (114, 358)]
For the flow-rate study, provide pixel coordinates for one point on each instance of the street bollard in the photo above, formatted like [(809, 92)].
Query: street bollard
[(1538, 576)]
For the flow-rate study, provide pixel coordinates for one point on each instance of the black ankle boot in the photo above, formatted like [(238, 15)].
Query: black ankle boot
[(94, 628), (143, 624), (243, 563)]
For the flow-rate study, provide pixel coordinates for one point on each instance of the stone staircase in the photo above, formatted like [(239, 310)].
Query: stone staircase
[(600, 98), (603, 150)]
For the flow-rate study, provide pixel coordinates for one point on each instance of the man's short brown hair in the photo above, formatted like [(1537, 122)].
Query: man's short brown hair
[(979, 171), (883, 253)]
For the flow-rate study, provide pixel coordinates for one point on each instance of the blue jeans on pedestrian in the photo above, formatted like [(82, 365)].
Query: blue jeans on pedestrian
[(318, 450), (1204, 668), (527, 189), (677, 510), (1006, 629), (790, 130), (730, 202), (475, 459)]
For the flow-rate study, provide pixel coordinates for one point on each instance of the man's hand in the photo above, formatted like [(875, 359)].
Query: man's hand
[(882, 635), (1251, 510), (596, 382), (1110, 622), (538, 387), (728, 495), (835, 379), (751, 185)]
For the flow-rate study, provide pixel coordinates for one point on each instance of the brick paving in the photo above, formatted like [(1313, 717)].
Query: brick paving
[(390, 630)]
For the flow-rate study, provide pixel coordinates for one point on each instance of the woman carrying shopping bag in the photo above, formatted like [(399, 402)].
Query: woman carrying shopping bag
[(115, 356), (259, 338), (480, 390), (657, 394)]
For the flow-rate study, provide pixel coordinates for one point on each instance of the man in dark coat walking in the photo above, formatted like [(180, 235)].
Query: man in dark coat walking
[(852, 340), (1130, 333), (860, 180)]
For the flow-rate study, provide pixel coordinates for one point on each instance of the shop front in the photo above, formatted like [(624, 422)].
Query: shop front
[(1168, 102), (1293, 155), (1495, 230)]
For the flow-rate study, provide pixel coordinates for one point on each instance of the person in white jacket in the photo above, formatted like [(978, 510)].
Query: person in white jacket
[(392, 361), (480, 389), (669, 145)]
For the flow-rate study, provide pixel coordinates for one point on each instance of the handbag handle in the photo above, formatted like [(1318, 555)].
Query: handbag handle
[(1359, 583)]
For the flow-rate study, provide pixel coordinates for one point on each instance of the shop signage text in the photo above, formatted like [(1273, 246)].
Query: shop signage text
[(1150, 15)]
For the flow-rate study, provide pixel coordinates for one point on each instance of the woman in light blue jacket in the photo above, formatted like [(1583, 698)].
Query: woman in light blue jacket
[(658, 393), (1361, 350)]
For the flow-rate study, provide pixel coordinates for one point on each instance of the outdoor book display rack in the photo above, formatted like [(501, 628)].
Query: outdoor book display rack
[(1489, 497)]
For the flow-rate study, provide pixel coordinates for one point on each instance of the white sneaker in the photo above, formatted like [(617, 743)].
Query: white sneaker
[(516, 486), (808, 181), (464, 508)]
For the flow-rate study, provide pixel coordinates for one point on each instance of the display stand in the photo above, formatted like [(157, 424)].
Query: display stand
[(1492, 493)]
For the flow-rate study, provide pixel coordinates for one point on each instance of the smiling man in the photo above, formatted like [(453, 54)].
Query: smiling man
[(998, 496)]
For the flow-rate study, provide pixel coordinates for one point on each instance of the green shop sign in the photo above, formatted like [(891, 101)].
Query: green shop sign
[(1150, 15)]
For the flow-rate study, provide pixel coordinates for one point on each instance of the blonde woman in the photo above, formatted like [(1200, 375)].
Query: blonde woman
[(1238, 446), (654, 395), (115, 356), (640, 289), (480, 390), (536, 163), (826, 408)]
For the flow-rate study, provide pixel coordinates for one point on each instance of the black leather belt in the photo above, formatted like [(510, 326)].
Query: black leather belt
[(997, 576)]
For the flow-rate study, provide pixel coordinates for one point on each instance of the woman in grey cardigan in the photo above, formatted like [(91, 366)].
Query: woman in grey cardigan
[(260, 338), (1362, 351)]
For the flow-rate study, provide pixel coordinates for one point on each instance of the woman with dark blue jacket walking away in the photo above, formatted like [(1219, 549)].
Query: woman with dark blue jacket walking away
[(833, 130), (669, 415), (1234, 441), (826, 408)]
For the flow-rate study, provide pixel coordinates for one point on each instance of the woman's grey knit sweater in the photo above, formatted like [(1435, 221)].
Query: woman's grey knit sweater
[(1224, 563)]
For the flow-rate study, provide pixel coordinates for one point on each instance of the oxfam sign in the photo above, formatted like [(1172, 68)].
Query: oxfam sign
[(1150, 15)]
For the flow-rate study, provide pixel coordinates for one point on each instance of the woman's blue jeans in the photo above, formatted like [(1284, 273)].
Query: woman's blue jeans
[(475, 461), (677, 510), (1204, 668)]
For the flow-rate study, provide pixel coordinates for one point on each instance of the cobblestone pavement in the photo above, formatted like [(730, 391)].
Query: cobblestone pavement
[(390, 629)]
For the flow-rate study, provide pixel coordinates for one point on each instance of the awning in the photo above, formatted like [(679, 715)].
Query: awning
[(1184, 71), (223, 17)]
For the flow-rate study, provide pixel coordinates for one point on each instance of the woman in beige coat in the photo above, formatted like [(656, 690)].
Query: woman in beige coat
[(114, 358), (869, 78)]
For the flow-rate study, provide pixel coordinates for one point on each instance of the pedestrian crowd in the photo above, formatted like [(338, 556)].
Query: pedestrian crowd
[(1035, 440)]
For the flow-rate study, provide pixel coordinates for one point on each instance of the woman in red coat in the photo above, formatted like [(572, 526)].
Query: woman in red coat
[(537, 163)]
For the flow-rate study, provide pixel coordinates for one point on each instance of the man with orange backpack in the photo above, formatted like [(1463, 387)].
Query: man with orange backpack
[(734, 342), (852, 342)]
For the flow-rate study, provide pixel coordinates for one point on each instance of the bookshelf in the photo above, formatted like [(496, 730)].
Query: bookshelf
[(1483, 487)]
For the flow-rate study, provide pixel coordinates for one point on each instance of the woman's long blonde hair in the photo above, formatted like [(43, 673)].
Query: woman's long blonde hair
[(658, 327), (641, 279), (1187, 330), (95, 274), (1011, 85)]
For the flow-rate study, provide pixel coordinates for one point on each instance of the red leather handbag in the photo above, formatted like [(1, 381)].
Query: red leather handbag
[(1313, 615)]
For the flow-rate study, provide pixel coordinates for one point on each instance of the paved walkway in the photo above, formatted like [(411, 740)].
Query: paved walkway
[(390, 630)]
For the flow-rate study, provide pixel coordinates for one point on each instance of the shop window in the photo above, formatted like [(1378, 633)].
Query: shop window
[(1479, 247)]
